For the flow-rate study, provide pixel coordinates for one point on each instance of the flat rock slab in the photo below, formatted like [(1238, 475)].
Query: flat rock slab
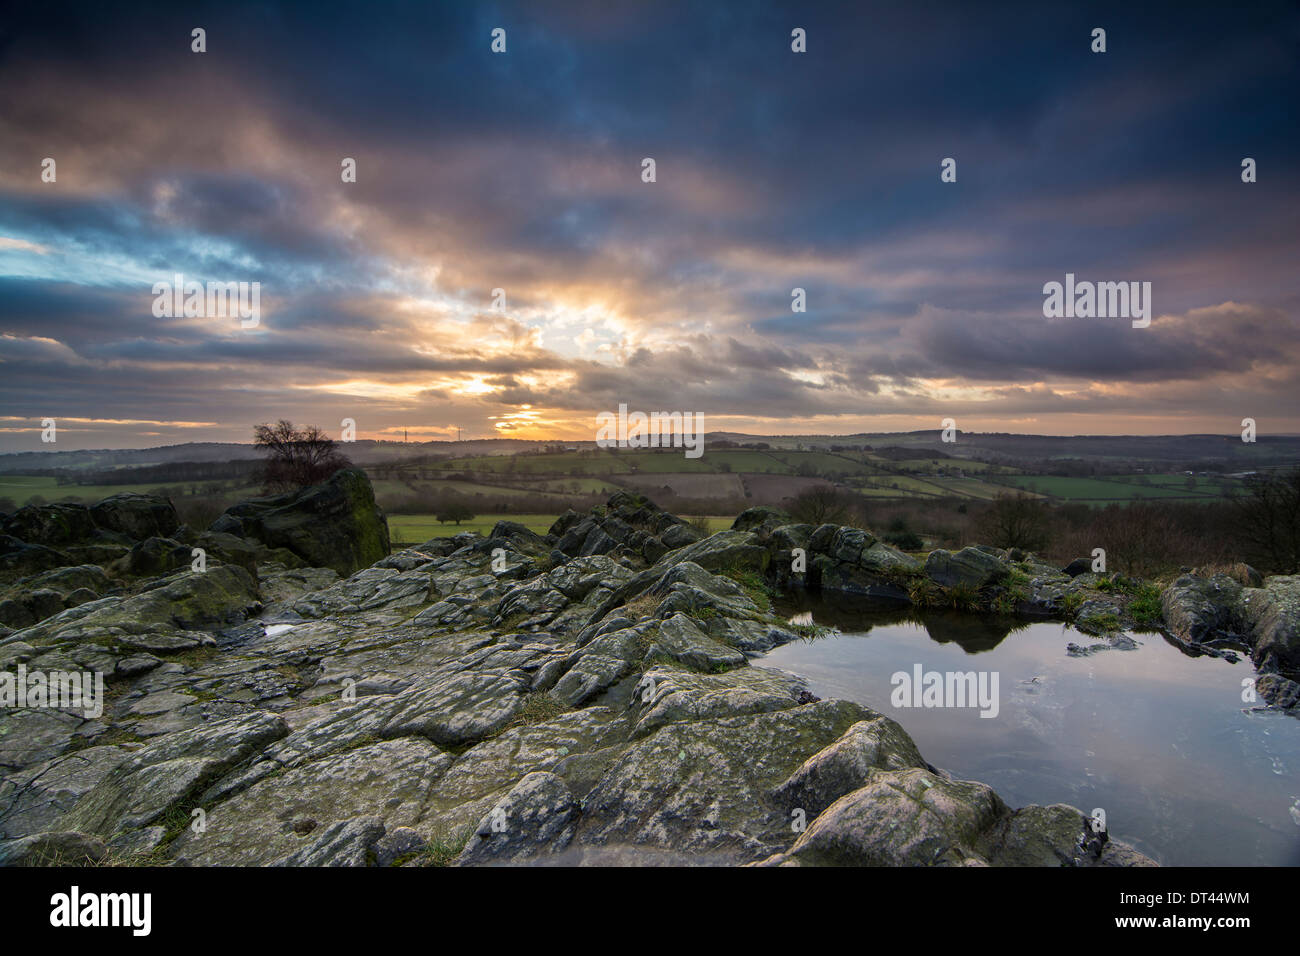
[(286, 812), (705, 786), (454, 710)]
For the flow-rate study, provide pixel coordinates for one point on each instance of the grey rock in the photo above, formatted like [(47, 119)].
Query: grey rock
[(535, 818), (969, 566), (335, 524), (347, 843), (53, 849)]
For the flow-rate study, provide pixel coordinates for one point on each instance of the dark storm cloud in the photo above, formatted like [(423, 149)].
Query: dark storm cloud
[(522, 171)]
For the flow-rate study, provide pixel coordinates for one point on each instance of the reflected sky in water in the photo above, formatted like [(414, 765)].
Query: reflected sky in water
[(1161, 741)]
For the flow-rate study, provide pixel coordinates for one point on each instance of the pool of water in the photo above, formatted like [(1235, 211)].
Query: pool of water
[(1162, 742)]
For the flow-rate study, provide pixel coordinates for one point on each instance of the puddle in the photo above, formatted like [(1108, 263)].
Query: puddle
[(1162, 742)]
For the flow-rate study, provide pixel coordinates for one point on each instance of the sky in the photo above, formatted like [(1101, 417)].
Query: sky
[(522, 171)]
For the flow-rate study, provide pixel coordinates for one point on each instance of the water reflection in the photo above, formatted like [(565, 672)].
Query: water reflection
[(1162, 741)]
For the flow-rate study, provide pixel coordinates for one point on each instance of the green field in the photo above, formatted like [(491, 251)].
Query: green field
[(416, 529), (21, 488), (661, 461), (1114, 489)]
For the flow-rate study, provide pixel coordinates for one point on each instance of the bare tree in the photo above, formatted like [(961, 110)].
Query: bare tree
[(1015, 521), (825, 504), (1269, 520), (296, 457)]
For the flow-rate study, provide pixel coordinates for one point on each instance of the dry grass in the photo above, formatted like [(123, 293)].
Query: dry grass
[(1238, 571)]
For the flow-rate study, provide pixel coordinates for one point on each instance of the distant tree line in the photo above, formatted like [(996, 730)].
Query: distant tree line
[(243, 469)]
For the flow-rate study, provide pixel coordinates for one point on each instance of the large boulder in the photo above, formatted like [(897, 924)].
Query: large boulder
[(19, 558), (1200, 609), (155, 556), (761, 520), (1273, 616), (50, 525), (137, 516), (969, 566), (335, 524)]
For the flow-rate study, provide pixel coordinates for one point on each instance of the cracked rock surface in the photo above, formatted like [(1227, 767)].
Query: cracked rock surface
[(583, 696)]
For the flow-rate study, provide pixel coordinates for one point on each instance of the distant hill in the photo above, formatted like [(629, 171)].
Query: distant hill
[(979, 446), (361, 452)]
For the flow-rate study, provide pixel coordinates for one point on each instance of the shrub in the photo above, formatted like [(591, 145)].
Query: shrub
[(904, 540)]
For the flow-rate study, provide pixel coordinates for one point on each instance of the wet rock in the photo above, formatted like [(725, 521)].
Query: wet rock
[(675, 696), (15, 614), (1197, 609), (79, 597), (1098, 616), (456, 709), (67, 580), (908, 817), (601, 663), (1281, 692), (1116, 641), (1056, 835), (28, 736), (162, 775), (35, 799), (971, 567), (702, 786), (396, 844), (230, 549), (874, 744), (18, 558), (679, 639), (191, 599), (294, 811), (762, 521), (1272, 614), (285, 585)]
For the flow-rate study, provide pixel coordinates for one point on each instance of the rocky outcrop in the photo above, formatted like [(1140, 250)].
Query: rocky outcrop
[(481, 700), (628, 525), (1217, 614), (40, 538), (335, 524), (138, 517)]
